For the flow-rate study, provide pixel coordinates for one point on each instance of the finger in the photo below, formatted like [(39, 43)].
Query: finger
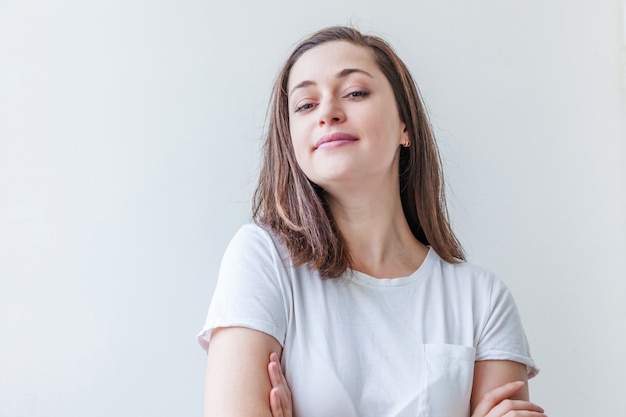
[(280, 379), (275, 406), (518, 406), (280, 389), (283, 380), (276, 375), (279, 382), (495, 397), (274, 372)]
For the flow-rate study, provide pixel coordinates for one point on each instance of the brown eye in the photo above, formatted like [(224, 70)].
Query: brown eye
[(357, 94), (304, 107)]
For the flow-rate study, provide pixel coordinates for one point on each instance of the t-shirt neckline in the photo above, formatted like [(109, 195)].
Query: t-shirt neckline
[(422, 271)]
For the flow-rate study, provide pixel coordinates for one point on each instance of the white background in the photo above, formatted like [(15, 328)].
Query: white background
[(129, 138)]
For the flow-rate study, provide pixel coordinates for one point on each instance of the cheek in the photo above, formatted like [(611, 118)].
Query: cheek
[(299, 140), (299, 150)]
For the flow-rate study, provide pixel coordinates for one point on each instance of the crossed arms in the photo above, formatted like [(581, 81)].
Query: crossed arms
[(243, 380)]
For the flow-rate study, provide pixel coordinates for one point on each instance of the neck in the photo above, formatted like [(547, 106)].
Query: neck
[(375, 229)]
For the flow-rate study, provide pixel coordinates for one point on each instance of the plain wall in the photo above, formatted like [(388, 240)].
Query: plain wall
[(129, 139)]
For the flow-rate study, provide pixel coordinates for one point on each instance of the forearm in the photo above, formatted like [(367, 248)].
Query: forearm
[(491, 374), (500, 389)]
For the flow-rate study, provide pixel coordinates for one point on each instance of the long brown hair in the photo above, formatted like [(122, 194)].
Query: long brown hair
[(294, 208)]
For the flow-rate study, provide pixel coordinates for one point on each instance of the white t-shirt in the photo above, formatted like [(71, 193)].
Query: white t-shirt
[(364, 346)]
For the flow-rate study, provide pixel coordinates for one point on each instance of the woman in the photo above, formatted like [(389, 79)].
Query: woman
[(351, 280)]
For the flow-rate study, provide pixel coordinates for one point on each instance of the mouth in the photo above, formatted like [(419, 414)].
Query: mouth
[(334, 139)]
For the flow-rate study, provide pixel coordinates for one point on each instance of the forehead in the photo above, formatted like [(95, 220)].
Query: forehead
[(327, 59)]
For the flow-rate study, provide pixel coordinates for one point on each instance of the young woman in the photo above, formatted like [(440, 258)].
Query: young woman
[(350, 282)]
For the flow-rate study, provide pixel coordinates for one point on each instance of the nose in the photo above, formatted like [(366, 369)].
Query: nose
[(331, 112)]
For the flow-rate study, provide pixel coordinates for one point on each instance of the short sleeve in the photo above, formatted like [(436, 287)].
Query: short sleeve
[(251, 290), (503, 337)]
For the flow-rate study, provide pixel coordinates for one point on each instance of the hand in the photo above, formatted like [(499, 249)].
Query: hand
[(280, 395), (497, 403)]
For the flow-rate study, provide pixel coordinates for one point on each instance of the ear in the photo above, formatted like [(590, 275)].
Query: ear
[(404, 138)]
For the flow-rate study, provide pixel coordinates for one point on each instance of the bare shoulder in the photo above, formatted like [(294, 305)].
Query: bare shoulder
[(237, 382)]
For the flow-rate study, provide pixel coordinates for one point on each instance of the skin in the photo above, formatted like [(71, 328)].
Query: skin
[(239, 356), (337, 87)]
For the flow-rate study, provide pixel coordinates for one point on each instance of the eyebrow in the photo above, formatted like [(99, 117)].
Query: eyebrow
[(341, 74)]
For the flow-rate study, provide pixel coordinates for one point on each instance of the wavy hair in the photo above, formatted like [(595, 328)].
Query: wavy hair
[(294, 208)]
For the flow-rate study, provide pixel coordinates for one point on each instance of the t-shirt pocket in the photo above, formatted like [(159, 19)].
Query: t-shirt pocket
[(447, 377)]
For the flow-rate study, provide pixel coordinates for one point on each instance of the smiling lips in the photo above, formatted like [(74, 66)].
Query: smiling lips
[(334, 140)]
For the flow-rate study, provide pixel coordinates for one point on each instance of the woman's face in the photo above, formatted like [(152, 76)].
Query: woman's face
[(344, 122)]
